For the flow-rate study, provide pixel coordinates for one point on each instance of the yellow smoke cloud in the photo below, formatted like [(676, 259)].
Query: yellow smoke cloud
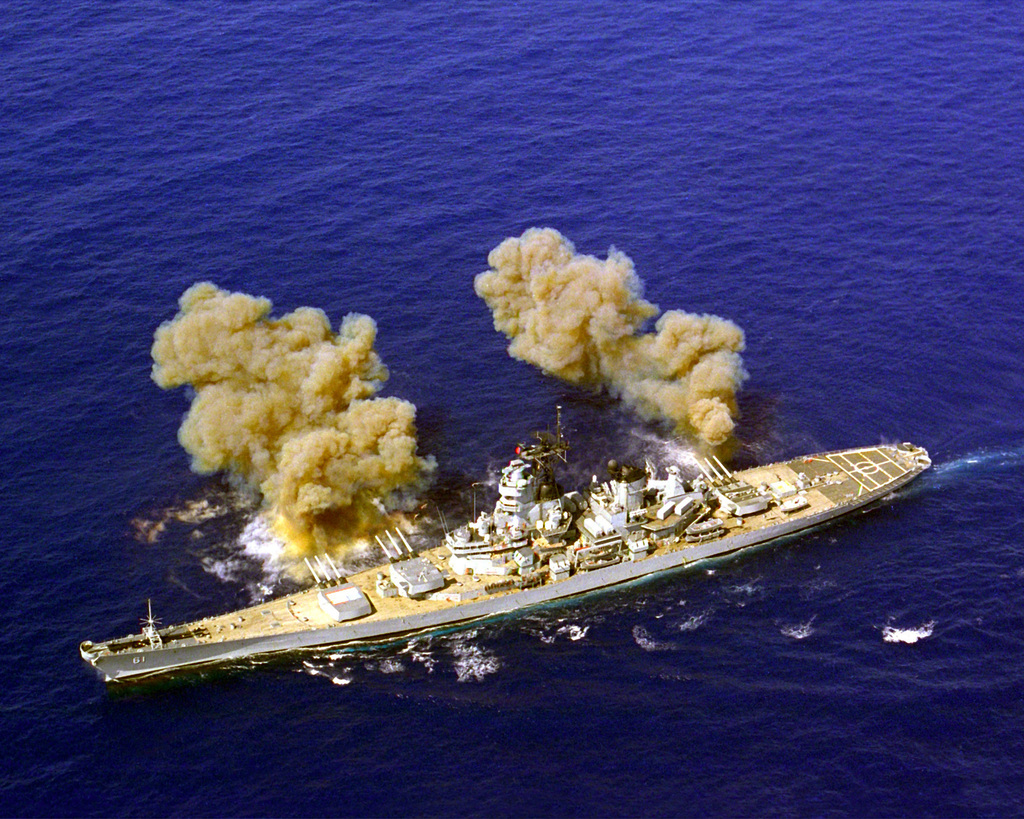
[(288, 405), (581, 319)]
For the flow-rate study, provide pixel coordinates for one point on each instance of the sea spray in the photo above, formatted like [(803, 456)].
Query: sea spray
[(909, 636), (581, 319), (289, 406)]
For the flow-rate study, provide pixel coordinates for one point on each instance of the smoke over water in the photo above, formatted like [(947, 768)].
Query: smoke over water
[(581, 319), (288, 406)]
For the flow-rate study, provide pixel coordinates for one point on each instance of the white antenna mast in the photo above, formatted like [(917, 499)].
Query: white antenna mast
[(441, 517), (474, 486), (149, 628)]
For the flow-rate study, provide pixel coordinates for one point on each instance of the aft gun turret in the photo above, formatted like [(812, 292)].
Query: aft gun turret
[(411, 575)]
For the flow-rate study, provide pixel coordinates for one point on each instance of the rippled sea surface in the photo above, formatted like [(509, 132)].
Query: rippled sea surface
[(842, 180)]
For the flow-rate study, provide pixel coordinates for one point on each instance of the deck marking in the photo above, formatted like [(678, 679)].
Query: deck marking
[(866, 465), (903, 470)]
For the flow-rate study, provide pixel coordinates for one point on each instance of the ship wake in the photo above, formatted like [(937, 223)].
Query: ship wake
[(985, 460), (458, 655)]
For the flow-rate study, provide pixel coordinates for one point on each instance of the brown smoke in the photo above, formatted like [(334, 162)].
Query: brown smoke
[(287, 405), (581, 319)]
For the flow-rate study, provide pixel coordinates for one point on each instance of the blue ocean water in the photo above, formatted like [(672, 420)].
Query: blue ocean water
[(842, 180)]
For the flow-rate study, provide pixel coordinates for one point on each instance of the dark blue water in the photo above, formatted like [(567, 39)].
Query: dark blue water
[(842, 180)]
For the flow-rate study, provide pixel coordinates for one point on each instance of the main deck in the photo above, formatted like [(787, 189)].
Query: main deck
[(829, 484)]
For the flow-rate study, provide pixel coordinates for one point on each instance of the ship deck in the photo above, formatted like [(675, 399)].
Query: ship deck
[(828, 480)]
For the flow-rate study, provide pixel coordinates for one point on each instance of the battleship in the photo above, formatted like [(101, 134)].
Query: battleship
[(538, 544)]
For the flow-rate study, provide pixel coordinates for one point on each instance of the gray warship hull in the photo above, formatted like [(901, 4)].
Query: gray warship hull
[(854, 479)]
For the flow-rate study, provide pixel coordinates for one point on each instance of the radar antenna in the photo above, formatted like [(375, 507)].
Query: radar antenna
[(542, 454), (473, 487), (443, 519), (149, 626)]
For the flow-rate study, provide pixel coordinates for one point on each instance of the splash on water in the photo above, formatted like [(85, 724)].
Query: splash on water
[(909, 636), (389, 665), (256, 550), (471, 662), (259, 543), (799, 631), (694, 622), (327, 673), (642, 637)]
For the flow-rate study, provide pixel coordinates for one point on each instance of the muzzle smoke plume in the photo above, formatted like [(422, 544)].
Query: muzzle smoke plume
[(288, 405), (581, 319)]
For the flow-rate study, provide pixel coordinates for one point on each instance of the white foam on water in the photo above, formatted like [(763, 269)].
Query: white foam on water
[(574, 632), (419, 652), (694, 621), (472, 663), (744, 593), (314, 671), (259, 543), (256, 543), (665, 452), (424, 658), (891, 634), (799, 631), (227, 569), (967, 464), (748, 589), (390, 665), (642, 637), (817, 587)]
